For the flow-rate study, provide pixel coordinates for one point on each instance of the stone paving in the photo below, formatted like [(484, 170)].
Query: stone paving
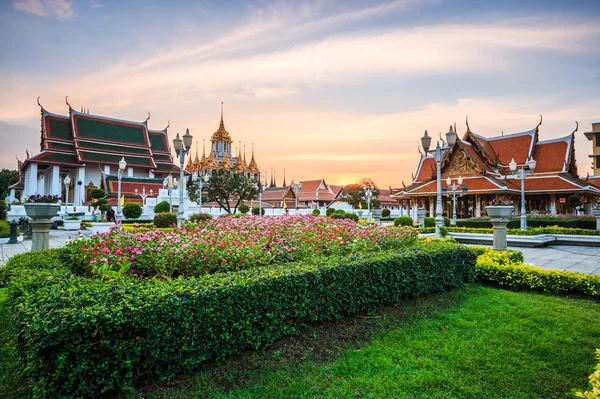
[(561, 257)]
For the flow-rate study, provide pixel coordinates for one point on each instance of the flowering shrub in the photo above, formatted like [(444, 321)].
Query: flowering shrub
[(46, 199), (229, 244)]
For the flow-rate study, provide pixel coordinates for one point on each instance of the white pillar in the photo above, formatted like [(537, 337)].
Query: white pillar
[(31, 179), (79, 188), (150, 174), (55, 181), (553, 204), (106, 170), (431, 207), (130, 172), (41, 186), (477, 206)]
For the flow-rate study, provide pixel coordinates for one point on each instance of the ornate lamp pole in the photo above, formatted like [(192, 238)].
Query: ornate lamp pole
[(368, 193), (181, 151), (522, 173), (122, 166), (438, 152), (296, 187), (168, 184), (67, 182), (259, 187), (200, 179), (454, 187), (143, 194)]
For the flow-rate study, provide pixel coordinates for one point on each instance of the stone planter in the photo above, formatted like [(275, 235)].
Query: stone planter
[(72, 224), (36, 210), (500, 211), (376, 215), (101, 227), (421, 214), (596, 212)]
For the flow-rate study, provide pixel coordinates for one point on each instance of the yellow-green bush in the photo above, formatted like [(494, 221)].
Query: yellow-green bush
[(594, 387)]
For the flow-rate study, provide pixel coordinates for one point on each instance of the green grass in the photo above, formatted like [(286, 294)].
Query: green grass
[(480, 343), (477, 342)]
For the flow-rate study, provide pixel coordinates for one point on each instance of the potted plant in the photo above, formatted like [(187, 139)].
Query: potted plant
[(101, 204), (41, 206), (72, 223), (500, 209)]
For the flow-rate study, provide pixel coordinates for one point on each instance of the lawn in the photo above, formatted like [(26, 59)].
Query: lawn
[(476, 342)]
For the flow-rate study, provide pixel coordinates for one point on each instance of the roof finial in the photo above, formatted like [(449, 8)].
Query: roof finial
[(576, 127), (203, 147), (196, 148), (468, 128), (88, 111), (538, 125), (148, 118), (168, 124), (67, 101), (419, 149), (284, 185), (82, 109), (38, 101), (221, 111)]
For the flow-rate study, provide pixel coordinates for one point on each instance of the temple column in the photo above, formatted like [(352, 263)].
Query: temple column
[(150, 174), (432, 207), (41, 185), (55, 181), (130, 172), (31, 179), (79, 188), (477, 206), (106, 170), (553, 204)]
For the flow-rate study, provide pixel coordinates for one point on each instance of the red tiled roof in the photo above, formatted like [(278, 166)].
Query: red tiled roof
[(481, 183), (545, 183), (551, 156), (514, 146), (277, 193), (472, 152), (425, 171)]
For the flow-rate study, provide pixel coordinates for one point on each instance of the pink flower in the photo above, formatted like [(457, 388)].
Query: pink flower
[(105, 250)]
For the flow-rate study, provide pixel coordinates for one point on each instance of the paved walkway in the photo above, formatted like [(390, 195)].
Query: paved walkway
[(562, 257)]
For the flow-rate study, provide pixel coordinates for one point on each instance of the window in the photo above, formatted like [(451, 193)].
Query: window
[(597, 139)]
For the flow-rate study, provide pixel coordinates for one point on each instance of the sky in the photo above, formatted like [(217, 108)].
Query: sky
[(324, 88)]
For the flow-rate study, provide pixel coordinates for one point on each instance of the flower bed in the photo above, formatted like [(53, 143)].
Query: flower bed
[(229, 244)]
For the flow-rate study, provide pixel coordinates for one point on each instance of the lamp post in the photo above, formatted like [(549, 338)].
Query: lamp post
[(122, 166), (368, 193), (200, 179), (259, 187), (438, 152), (181, 151), (454, 187), (296, 187), (522, 173), (143, 195), (318, 204), (67, 181), (168, 184)]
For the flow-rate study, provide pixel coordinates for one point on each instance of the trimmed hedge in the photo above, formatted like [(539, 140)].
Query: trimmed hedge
[(200, 217), (165, 219), (162, 207), (518, 232), (80, 337), (403, 221), (514, 223), (508, 270)]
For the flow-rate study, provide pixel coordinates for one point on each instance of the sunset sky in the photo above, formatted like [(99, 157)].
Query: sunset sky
[(334, 89)]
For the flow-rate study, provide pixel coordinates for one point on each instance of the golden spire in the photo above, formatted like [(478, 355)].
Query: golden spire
[(253, 167), (211, 162), (226, 162), (196, 167), (239, 164), (189, 165)]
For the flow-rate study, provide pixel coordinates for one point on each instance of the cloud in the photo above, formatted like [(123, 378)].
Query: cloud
[(44, 8), (95, 4)]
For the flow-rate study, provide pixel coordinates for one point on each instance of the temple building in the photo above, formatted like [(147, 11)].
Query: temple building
[(88, 148), (222, 157), (483, 163)]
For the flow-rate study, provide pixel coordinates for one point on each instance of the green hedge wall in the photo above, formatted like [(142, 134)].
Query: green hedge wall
[(81, 337), (515, 223)]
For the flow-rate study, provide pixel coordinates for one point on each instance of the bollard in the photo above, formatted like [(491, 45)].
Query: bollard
[(12, 239)]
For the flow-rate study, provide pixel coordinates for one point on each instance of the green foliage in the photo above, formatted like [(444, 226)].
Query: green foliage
[(316, 212), (534, 221), (4, 230), (573, 202), (429, 222), (199, 217), (339, 214), (330, 211), (385, 213), (97, 193), (162, 207), (3, 210), (80, 337), (132, 210), (72, 218), (352, 216), (165, 219), (518, 232), (257, 209), (502, 269), (243, 208), (594, 385), (7, 179), (403, 221), (229, 188)]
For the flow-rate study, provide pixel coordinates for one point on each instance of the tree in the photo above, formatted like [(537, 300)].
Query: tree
[(7, 179), (226, 187), (101, 202), (355, 196), (132, 210)]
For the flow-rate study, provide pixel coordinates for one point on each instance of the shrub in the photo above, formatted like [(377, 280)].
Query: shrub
[(162, 207), (72, 218), (82, 337), (339, 214), (403, 221), (97, 193), (244, 209), (352, 216), (316, 212), (505, 270), (385, 213), (163, 220), (200, 217), (132, 210), (258, 209), (330, 211), (429, 222), (3, 210), (4, 230)]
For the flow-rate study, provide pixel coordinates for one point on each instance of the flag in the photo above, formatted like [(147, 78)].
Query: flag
[(284, 205), (315, 204), (122, 201), (360, 205)]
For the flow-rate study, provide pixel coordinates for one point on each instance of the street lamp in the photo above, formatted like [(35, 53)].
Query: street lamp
[(181, 151), (438, 152), (143, 194), (369, 191), (67, 181), (522, 173), (296, 187), (454, 187), (200, 179), (168, 184), (259, 186), (122, 166)]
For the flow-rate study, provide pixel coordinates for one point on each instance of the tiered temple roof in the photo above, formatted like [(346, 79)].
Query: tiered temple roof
[(483, 163), (81, 138)]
